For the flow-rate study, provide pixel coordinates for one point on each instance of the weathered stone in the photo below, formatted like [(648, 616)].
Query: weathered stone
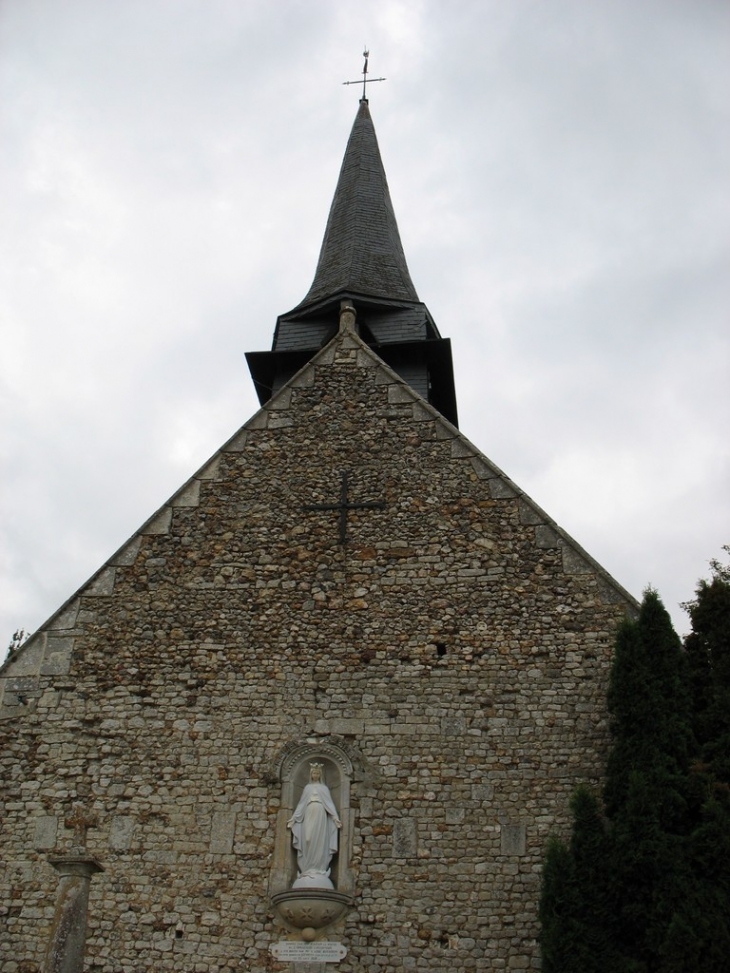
[(189, 496), (57, 656), (102, 585), (67, 943), (514, 840), (222, 832), (65, 619), (46, 828), (405, 844), (546, 537), (120, 832), (160, 523), (500, 488)]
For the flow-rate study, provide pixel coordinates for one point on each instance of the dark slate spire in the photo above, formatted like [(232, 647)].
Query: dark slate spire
[(362, 262), (361, 251)]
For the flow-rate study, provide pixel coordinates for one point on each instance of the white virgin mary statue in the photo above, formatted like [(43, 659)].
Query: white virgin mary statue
[(314, 827)]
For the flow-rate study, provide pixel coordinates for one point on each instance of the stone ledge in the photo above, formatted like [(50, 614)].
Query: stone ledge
[(127, 555), (160, 523), (500, 489), (102, 585), (189, 496)]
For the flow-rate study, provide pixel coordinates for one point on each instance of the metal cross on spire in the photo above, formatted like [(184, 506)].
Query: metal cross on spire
[(365, 78)]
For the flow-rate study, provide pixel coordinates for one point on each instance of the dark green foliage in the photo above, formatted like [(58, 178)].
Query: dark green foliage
[(707, 903), (644, 884), (646, 792), (574, 908), (698, 939), (708, 655), (650, 715)]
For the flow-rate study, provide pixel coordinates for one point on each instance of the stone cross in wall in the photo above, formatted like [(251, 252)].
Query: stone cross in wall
[(80, 820), (344, 506)]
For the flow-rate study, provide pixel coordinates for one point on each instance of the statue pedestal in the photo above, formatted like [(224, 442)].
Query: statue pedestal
[(312, 909)]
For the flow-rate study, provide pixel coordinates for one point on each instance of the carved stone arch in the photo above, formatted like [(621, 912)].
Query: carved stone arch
[(294, 768)]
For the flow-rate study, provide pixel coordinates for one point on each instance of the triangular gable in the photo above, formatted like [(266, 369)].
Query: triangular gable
[(48, 652)]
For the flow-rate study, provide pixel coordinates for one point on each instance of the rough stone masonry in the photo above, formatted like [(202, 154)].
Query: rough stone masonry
[(456, 648)]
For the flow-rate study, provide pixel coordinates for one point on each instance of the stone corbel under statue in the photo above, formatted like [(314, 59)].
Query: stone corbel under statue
[(311, 883)]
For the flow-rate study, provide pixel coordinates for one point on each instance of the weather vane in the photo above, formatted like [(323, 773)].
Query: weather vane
[(365, 78)]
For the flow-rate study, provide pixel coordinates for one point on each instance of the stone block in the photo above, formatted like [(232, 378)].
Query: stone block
[(573, 561), (189, 496), (222, 832), (120, 833), (57, 658), (405, 841), (160, 523), (482, 792), (259, 421), (127, 555), (65, 619), (443, 432), (102, 585), (304, 380), (347, 727), (501, 489), (282, 400), (513, 839), (211, 469), (21, 684), (400, 394), (46, 829), (365, 360), (452, 726), (483, 470), (529, 513), (27, 660), (460, 448), (546, 537), (421, 413), (237, 443), (326, 356)]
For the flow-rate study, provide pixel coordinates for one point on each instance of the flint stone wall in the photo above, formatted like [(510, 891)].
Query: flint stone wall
[(457, 647)]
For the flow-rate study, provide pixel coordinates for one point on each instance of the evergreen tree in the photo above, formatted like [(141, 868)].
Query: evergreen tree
[(647, 787), (644, 886), (574, 908), (701, 936), (708, 655)]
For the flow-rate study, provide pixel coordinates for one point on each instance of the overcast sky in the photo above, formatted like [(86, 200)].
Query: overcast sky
[(560, 172)]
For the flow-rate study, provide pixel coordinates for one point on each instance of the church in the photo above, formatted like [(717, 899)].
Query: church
[(323, 710)]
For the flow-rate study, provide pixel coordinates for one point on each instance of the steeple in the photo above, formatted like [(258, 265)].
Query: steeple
[(362, 262), (361, 251)]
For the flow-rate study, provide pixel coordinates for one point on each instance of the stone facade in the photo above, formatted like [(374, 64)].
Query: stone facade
[(455, 650)]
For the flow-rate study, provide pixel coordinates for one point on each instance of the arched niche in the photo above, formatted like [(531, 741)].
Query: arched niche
[(294, 768)]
